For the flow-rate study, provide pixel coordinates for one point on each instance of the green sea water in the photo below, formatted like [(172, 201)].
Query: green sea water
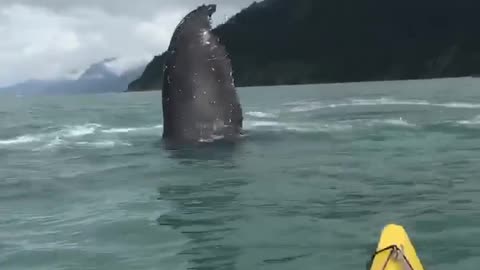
[(86, 184)]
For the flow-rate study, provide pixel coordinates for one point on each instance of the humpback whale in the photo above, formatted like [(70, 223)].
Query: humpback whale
[(199, 99)]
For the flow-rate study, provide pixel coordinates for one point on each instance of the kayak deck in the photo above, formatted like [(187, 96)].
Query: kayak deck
[(395, 251)]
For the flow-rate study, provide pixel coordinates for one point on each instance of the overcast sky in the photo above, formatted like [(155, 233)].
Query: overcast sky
[(45, 39)]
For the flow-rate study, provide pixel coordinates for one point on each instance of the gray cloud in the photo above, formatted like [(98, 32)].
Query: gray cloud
[(127, 7), (44, 39)]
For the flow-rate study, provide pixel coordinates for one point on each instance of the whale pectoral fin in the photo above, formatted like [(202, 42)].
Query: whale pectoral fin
[(199, 96)]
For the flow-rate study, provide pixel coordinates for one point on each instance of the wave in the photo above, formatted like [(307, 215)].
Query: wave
[(305, 106)]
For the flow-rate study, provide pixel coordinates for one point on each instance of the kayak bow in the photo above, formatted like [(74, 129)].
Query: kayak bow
[(395, 251)]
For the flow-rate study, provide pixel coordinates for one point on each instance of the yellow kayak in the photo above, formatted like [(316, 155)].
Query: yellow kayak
[(395, 251)]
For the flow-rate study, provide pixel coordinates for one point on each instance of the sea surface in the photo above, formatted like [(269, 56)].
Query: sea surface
[(85, 182)]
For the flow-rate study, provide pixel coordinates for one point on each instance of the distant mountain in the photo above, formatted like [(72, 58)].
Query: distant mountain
[(96, 79), (316, 41), (98, 71)]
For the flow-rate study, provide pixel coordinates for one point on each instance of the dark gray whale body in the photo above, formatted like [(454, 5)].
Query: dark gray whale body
[(200, 103)]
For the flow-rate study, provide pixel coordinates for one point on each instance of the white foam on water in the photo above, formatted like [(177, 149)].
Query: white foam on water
[(57, 141), (312, 128), (94, 144), (460, 105), (103, 144), (339, 126), (472, 122), (261, 114), (306, 106), (299, 127), (211, 139), (132, 129), (79, 130), (393, 122), (53, 137), (118, 130), (263, 123), (70, 133), (386, 101), (72, 136), (20, 140)]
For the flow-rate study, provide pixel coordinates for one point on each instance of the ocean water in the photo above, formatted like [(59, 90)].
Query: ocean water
[(86, 184)]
